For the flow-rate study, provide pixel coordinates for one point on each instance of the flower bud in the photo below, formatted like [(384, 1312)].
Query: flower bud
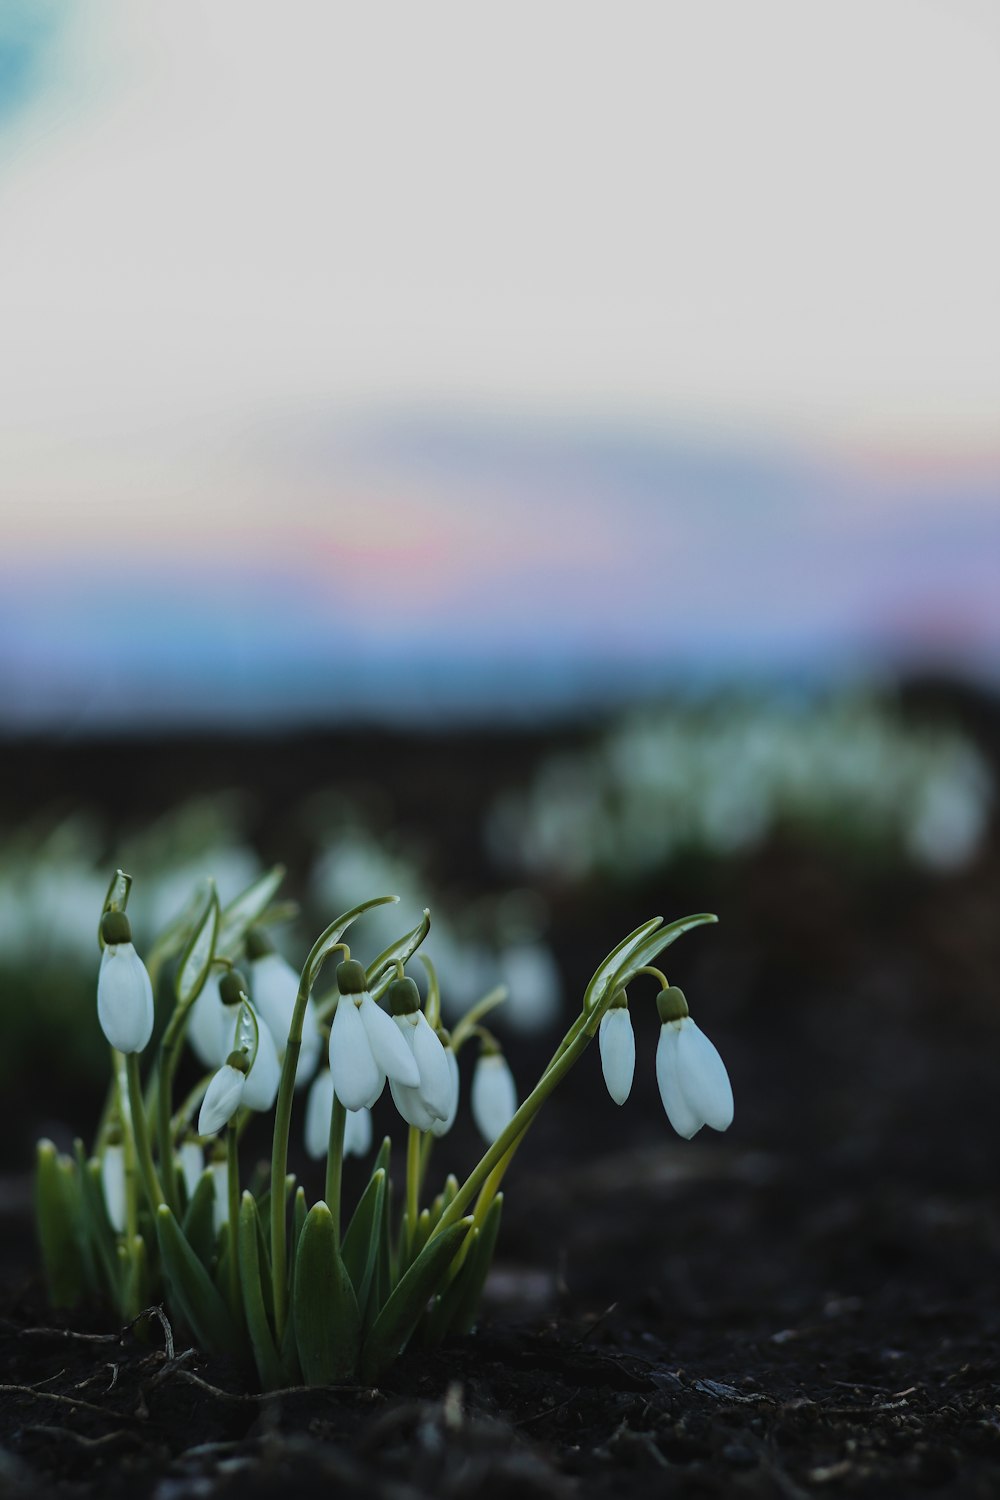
[(124, 997), (494, 1095)]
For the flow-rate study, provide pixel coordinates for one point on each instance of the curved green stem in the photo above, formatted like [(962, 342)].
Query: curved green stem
[(412, 1187)]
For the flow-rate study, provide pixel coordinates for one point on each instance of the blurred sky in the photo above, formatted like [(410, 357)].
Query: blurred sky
[(396, 358)]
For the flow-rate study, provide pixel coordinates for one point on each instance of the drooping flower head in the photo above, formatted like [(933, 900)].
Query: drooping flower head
[(365, 1046), (124, 991), (431, 1100), (494, 1093), (694, 1084), (617, 1043)]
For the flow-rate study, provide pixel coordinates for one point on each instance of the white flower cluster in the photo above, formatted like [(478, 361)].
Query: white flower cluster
[(692, 1077)]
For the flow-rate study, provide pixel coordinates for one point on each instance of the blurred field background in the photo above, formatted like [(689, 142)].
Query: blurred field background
[(542, 461)]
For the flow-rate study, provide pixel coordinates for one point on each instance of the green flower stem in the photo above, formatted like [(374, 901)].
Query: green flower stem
[(140, 1131), (170, 1049), (657, 974), (467, 1025), (335, 1165), (412, 1187), (233, 1227), (573, 1045), (282, 1126)]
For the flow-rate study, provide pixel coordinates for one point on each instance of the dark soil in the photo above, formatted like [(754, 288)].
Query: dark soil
[(809, 1305)]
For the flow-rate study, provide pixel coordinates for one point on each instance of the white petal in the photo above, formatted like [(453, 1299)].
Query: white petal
[(206, 1024), (617, 1043), (356, 1075), (357, 1133), (274, 986), (411, 1105), (265, 1075), (319, 1108), (192, 1159), (124, 998), (220, 1208), (441, 1127), (432, 1061), (494, 1095), (703, 1078), (222, 1099), (680, 1114), (113, 1184), (310, 1048), (388, 1047)]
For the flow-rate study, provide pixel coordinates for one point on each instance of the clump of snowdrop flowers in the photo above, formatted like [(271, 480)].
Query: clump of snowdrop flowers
[(163, 1208), (693, 1082)]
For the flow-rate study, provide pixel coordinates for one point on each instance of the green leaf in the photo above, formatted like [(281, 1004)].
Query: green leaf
[(382, 971), (201, 1305), (331, 937), (116, 898), (395, 1323), (192, 971), (444, 1198), (324, 1307), (136, 1281), (199, 1219), (57, 1209), (455, 1312), (652, 946), (100, 1236), (614, 960), (244, 910), (254, 1306), (432, 1005), (363, 1237)]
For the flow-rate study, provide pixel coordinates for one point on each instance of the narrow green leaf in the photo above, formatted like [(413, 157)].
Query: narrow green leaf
[(652, 946), (331, 937), (395, 1323), (136, 1280), (444, 1198), (382, 971), (254, 1306), (57, 1201), (201, 1305), (298, 1219), (101, 1237), (245, 909), (324, 1307), (192, 971), (199, 1219), (614, 960), (455, 1311), (364, 1233)]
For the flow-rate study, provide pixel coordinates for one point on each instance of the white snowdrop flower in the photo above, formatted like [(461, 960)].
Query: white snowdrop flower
[(265, 1072), (357, 1078), (357, 1132), (694, 1084), (220, 1205), (223, 1098), (617, 1043), (365, 1046), (274, 988), (494, 1095), (319, 1108), (113, 1185), (124, 992), (192, 1163), (206, 1024), (441, 1127), (430, 1100), (388, 1048)]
